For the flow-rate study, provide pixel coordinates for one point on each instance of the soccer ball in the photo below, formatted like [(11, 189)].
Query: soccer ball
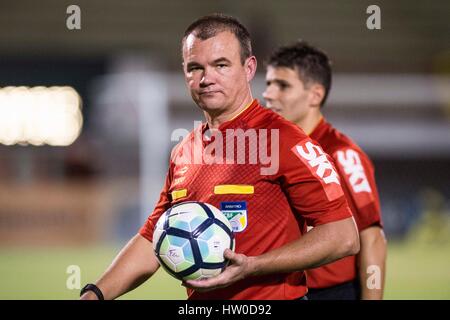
[(190, 238)]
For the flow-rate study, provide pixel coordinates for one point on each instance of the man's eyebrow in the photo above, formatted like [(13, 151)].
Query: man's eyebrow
[(221, 59), (193, 64), (278, 82)]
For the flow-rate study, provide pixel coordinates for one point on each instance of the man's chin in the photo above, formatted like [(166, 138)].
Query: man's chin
[(210, 103), (279, 111)]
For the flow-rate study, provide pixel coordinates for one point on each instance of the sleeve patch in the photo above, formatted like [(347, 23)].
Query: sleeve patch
[(355, 176), (320, 166), (354, 171)]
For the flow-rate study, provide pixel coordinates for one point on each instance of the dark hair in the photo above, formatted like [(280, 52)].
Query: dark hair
[(312, 64), (210, 25)]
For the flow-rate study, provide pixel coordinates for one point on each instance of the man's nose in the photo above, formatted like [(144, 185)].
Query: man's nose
[(207, 78), (268, 94)]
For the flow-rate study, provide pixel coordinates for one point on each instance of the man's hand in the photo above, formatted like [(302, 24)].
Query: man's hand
[(324, 244), (239, 268)]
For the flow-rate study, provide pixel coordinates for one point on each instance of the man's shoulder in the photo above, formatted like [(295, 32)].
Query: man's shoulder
[(288, 130), (333, 140), (337, 144)]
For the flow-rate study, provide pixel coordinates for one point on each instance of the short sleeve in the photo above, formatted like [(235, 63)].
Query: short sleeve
[(358, 175), (311, 182)]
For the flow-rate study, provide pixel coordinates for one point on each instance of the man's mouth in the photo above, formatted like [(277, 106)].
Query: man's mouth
[(207, 92), (275, 109)]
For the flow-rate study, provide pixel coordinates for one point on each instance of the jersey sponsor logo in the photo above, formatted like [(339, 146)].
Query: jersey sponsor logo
[(236, 213), (351, 163), (317, 159), (318, 163)]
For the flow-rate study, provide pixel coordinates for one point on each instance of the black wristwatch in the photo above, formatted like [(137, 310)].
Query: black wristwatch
[(92, 287)]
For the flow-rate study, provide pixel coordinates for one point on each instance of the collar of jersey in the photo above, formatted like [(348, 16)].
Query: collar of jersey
[(240, 116), (319, 130)]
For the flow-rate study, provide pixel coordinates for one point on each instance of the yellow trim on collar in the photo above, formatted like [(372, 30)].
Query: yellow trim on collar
[(246, 107)]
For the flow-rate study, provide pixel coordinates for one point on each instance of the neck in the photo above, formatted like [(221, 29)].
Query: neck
[(310, 122), (214, 120)]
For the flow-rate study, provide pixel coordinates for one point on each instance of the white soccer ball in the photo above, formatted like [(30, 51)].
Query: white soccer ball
[(190, 238)]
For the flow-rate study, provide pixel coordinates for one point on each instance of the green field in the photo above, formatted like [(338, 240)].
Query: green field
[(414, 272)]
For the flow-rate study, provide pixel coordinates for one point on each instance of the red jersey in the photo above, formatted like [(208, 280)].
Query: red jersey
[(304, 185), (358, 177)]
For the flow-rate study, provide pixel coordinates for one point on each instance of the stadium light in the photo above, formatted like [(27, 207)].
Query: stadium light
[(40, 115)]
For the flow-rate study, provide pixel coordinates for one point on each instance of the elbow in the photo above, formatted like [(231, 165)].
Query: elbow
[(349, 245), (351, 242), (353, 245)]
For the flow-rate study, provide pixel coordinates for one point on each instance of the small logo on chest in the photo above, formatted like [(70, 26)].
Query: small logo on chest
[(236, 213)]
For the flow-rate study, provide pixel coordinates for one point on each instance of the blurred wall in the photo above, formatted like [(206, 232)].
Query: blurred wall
[(390, 94)]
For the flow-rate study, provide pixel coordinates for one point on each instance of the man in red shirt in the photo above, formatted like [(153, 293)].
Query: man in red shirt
[(246, 156), (298, 80)]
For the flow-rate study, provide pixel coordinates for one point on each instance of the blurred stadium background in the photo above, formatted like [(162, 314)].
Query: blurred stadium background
[(86, 118)]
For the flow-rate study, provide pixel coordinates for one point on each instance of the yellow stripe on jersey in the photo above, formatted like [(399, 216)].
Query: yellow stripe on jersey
[(234, 189), (177, 194), (245, 108)]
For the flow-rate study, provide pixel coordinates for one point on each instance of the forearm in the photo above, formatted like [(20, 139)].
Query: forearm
[(372, 263), (135, 263), (323, 244)]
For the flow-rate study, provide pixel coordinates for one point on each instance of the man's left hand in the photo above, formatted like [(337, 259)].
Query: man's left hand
[(239, 268)]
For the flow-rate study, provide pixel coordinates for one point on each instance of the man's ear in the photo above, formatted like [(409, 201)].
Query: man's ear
[(250, 67), (317, 94)]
